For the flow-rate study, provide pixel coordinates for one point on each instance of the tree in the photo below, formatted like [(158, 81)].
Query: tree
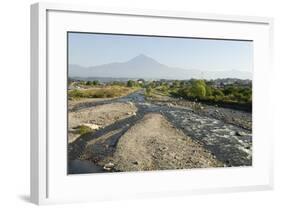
[(209, 91), (130, 83), (217, 92), (198, 88), (95, 82), (176, 83), (182, 83)]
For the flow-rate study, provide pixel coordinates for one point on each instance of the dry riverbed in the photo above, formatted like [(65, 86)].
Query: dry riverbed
[(154, 144), (97, 117)]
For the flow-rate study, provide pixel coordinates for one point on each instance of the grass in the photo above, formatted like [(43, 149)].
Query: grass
[(83, 129), (156, 92), (100, 92)]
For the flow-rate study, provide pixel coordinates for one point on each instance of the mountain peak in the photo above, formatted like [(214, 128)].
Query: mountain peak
[(141, 58)]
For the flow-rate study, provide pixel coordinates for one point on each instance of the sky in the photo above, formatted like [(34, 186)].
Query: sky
[(89, 49)]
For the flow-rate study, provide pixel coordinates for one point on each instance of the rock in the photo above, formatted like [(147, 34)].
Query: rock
[(232, 133), (177, 157), (92, 126), (172, 154), (108, 166), (135, 162), (227, 162), (239, 133), (131, 113), (153, 155), (169, 105), (163, 148)]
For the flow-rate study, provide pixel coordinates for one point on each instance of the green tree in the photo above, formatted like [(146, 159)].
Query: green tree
[(217, 92), (182, 83), (130, 83), (198, 88), (95, 82), (176, 83), (209, 91)]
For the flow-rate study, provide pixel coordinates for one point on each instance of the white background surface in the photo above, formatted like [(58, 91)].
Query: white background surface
[(14, 103)]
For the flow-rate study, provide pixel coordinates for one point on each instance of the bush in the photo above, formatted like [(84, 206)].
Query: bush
[(148, 90), (84, 129)]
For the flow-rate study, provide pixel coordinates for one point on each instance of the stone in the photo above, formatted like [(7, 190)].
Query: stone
[(135, 162), (131, 113), (92, 126), (108, 166), (163, 148), (239, 133)]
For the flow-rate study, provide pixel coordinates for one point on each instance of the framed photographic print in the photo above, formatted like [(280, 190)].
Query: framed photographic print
[(134, 103)]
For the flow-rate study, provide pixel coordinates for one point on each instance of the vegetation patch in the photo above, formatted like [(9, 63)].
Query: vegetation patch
[(233, 95), (100, 92), (83, 129)]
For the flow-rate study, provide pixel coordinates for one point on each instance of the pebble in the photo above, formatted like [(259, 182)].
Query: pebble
[(131, 113), (108, 166), (135, 162)]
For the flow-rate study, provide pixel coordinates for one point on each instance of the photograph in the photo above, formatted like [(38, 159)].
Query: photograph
[(152, 103)]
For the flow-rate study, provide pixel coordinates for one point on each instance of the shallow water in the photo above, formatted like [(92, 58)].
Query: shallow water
[(79, 166)]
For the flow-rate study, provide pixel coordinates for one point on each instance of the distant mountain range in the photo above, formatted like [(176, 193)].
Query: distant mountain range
[(145, 67)]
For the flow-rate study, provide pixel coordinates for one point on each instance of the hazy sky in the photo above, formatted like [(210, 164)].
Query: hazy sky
[(204, 54)]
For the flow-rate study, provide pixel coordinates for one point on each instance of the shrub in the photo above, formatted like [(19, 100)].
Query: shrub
[(148, 90), (84, 129)]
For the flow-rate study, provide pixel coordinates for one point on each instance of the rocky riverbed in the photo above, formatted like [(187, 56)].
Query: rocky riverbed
[(135, 133)]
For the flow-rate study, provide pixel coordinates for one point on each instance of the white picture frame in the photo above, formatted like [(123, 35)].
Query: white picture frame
[(49, 180)]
